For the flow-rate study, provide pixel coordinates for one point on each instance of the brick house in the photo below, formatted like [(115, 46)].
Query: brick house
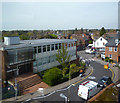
[(112, 49), (82, 40)]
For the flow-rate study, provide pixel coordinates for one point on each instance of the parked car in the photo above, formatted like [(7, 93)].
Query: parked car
[(103, 55), (104, 81)]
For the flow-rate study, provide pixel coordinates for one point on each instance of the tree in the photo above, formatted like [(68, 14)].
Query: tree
[(52, 76), (82, 29), (63, 58), (90, 42), (102, 31), (76, 29)]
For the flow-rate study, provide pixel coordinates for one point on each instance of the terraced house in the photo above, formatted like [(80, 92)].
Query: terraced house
[(31, 56), (112, 49)]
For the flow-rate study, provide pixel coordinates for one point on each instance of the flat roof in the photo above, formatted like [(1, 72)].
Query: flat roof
[(38, 42)]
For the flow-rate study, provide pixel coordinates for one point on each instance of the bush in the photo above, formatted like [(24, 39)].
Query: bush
[(52, 76), (107, 59), (110, 61)]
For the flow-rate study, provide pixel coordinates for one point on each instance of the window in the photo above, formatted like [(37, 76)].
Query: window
[(44, 60), (69, 44), (52, 58), (56, 46), (66, 44), (39, 61), (115, 49), (110, 48), (59, 45), (52, 47), (34, 64), (74, 44), (39, 49), (35, 48), (44, 48), (110, 56), (48, 59), (103, 43), (48, 47)]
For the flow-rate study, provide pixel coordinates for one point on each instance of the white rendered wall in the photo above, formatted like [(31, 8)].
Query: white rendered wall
[(52, 64), (100, 43)]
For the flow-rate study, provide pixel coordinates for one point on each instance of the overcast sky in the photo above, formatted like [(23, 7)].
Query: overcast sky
[(59, 15)]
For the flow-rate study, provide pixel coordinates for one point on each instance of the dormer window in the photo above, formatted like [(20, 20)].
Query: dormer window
[(101, 39), (116, 40), (115, 49)]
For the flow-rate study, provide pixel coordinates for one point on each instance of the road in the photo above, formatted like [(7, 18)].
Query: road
[(71, 93)]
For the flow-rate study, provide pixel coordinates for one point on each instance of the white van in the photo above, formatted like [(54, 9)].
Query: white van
[(89, 51), (87, 89)]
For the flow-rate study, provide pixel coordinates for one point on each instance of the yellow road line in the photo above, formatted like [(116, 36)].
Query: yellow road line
[(83, 78), (112, 74)]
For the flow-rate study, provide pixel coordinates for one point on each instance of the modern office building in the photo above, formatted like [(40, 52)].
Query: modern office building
[(22, 56)]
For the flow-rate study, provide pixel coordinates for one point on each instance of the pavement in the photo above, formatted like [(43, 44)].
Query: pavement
[(52, 89)]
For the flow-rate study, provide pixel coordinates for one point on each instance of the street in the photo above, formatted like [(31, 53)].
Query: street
[(71, 93)]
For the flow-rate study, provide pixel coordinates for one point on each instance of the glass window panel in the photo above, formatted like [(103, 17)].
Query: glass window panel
[(52, 47), (40, 61), (20, 55), (48, 47), (56, 46), (35, 48), (110, 48), (59, 45), (39, 49), (44, 48)]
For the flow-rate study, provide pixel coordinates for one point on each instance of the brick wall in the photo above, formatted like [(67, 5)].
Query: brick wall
[(2, 65), (113, 53)]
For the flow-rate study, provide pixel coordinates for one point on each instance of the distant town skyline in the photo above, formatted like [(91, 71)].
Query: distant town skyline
[(59, 15)]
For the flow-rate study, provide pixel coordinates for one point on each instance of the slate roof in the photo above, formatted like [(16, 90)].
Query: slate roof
[(111, 41)]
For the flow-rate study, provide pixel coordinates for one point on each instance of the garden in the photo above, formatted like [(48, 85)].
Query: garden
[(67, 70)]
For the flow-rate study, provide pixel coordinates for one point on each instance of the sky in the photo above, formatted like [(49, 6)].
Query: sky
[(59, 15)]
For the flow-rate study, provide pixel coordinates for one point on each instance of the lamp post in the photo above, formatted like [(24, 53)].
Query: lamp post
[(94, 48), (63, 96), (15, 87)]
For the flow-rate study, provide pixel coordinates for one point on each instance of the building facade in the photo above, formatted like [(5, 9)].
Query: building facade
[(112, 49), (32, 55), (99, 44)]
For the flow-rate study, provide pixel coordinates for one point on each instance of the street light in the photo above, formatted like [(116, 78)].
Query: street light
[(63, 96), (94, 48), (15, 87)]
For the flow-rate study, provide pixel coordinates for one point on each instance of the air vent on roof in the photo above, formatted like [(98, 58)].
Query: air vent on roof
[(11, 40)]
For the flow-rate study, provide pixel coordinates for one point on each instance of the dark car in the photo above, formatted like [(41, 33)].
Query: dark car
[(104, 81)]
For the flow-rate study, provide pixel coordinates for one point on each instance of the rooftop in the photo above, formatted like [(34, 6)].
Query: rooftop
[(38, 42), (112, 42)]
